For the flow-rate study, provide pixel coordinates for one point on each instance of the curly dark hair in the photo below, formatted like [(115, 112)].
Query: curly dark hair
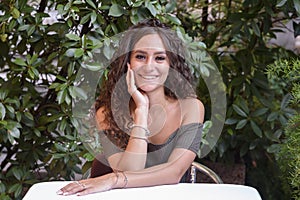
[(114, 97)]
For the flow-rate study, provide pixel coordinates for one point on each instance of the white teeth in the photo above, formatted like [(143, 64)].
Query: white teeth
[(149, 77)]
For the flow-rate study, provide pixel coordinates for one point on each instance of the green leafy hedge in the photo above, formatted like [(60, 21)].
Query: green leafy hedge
[(287, 72)]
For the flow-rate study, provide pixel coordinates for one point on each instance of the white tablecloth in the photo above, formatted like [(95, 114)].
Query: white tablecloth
[(183, 191)]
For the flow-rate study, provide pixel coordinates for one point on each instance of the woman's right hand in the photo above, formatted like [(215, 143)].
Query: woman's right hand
[(141, 100)]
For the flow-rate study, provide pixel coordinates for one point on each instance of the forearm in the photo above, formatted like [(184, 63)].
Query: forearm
[(158, 175), (134, 157), (135, 154), (167, 173)]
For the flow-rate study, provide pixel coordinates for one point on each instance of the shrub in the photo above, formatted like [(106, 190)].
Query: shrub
[(287, 72)]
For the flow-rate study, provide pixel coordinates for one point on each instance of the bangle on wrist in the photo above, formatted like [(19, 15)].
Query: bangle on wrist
[(125, 179), (147, 132)]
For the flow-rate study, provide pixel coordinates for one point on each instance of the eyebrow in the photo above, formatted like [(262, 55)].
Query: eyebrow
[(145, 52)]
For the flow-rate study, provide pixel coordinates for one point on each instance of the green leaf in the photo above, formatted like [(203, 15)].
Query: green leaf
[(239, 111), (72, 36), (137, 4), (61, 96), (171, 6), (74, 122), (37, 132), (78, 52), (60, 148), (297, 6), (18, 116), (151, 8), (243, 105), (20, 61), (2, 188), (274, 148), (23, 27), (91, 3), (93, 17), (255, 28), (129, 2), (9, 108), (85, 18), (3, 94), (252, 145), (70, 52), (241, 124), (63, 125), (285, 101), (15, 13), (2, 111), (16, 189), (15, 132), (93, 66), (272, 116), (17, 172), (108, 52), (231, 121), (32, 59), (116, 10), (54, 85), (260, 112), (33, 73), (29, 115), (280, 3), (173, 19), (77, 92), (256, 129), (204, 71), (30, 30), (3, 37)]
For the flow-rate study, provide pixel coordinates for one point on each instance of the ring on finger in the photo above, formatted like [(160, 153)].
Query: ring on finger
[(81, 184)]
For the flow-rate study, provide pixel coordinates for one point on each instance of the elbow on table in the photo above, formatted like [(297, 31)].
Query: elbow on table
[(176, 176)]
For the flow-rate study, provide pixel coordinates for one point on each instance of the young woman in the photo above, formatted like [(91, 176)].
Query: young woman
[(148, 116)]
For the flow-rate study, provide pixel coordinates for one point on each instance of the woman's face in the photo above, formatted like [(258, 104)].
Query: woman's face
[(149, 62)]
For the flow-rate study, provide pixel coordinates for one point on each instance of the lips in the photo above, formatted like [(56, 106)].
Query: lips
[(149, 77)]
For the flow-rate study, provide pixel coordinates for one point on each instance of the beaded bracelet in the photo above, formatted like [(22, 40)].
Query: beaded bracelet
[(138, 126)]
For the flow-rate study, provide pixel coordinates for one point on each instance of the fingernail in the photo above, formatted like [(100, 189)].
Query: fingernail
[(59, 192), (66, 193)]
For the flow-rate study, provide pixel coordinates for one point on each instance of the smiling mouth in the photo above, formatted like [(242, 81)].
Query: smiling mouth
[(149, 77)]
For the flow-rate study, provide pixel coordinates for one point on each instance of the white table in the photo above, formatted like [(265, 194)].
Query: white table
[(183, 191)]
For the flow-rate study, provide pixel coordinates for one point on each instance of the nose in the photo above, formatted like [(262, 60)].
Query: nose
[(149, 64)]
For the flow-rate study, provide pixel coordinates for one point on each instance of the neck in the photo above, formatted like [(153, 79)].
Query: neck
[(157, 97)]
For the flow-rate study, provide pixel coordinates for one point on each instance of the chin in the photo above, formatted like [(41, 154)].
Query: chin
[(149, 88)]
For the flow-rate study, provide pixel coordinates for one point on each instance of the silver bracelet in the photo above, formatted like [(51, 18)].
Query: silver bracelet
[(125, 179), (138, 126)]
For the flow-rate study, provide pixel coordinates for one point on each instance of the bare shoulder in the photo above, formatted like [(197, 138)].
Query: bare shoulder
[(193, 110), (100, 119)]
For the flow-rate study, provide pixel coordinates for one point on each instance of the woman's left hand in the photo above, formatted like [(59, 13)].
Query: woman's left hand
[(141, 100), (88, 186)]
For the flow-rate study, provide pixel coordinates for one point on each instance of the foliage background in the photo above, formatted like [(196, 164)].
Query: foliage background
[(39, 61), (287, 72)]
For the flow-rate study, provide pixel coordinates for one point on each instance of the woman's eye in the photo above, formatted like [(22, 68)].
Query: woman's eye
[(140, 57), (160, 58)]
